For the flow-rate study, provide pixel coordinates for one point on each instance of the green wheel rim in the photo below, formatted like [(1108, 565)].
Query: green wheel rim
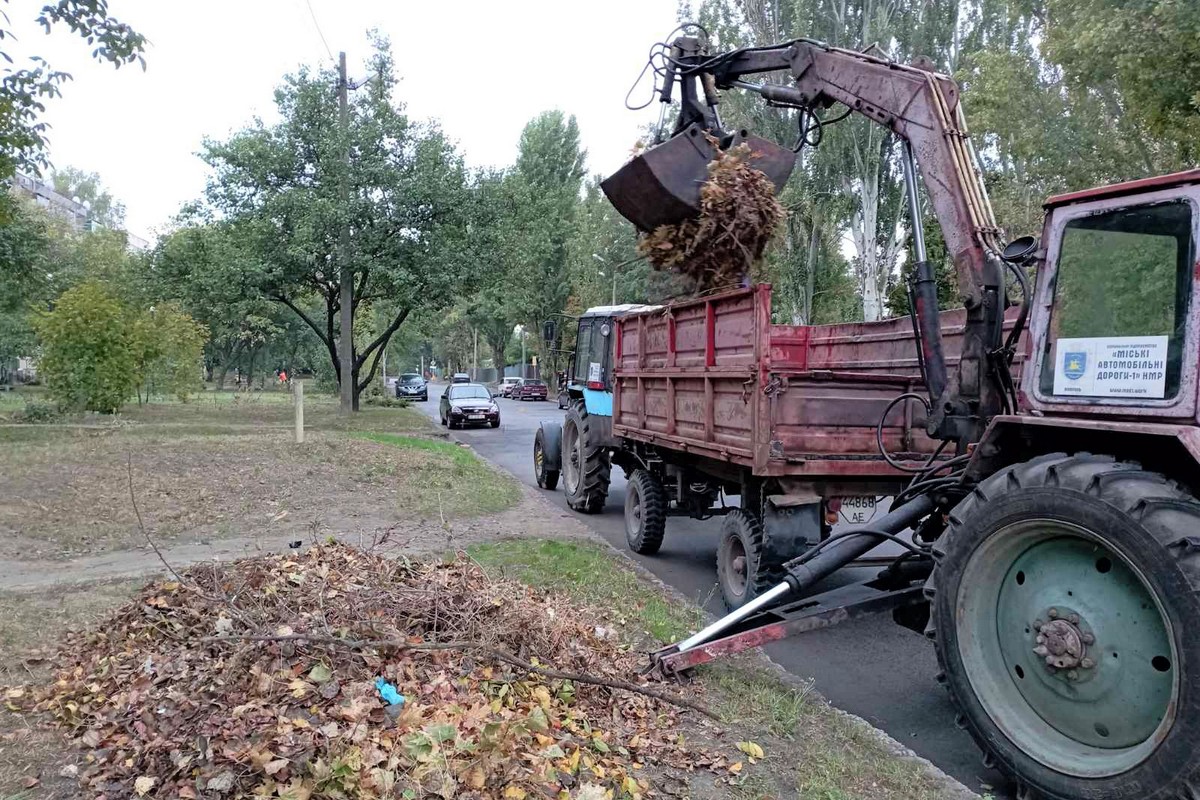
[(1067, 648)]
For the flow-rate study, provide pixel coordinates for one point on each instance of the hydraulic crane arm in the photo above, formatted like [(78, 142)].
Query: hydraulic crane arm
[(922, 109)]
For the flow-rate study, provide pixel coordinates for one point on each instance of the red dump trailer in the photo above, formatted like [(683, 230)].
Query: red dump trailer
[(711, 399)]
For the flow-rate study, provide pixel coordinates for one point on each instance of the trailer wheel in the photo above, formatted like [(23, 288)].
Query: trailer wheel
[(546, 477), (1060, 604), (645, 513), (586, 467), (741, 573)]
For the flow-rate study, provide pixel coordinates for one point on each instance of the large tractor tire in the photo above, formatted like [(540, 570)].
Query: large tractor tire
[(1061, 600), (586, 467), (645, 513)]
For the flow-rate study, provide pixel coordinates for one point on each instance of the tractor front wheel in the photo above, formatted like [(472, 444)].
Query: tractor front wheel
[(1061, 600), (546, 477)]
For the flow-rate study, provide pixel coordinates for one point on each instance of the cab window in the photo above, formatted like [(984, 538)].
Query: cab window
[(583, 344), (1121, 294)]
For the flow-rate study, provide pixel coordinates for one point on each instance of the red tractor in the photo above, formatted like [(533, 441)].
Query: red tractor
[(1041, 444)]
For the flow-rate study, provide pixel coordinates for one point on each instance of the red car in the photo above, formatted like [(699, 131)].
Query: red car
[(529, 389)]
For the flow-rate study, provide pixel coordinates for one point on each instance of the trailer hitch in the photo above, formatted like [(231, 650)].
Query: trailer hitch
[(753, 625)]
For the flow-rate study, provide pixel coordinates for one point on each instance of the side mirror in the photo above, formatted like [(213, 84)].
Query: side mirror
[(548, 331), (1019, 249)]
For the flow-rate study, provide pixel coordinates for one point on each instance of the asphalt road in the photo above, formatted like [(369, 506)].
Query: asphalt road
[(873, 669)]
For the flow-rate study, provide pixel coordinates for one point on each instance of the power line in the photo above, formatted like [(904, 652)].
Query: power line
[(317, 25)]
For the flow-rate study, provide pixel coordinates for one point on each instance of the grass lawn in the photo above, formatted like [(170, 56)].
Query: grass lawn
[(225, 465), (813, 751)]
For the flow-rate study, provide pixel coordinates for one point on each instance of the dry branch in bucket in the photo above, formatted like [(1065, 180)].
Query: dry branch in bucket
[(739, 214)]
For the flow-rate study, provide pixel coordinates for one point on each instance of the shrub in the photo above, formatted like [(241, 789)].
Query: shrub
[(35, 411), (87, 357)]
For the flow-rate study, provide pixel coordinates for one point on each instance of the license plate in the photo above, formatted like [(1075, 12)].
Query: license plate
[(857, 510), (475, 416)]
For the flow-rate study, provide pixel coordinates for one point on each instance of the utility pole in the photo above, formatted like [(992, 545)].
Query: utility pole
[(523, 351), (475, 356), (346, 341)]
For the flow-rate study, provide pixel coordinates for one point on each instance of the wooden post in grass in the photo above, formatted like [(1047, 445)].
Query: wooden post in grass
[(299, 392)]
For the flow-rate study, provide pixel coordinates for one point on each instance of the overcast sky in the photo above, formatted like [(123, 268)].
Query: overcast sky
[(481, 68)]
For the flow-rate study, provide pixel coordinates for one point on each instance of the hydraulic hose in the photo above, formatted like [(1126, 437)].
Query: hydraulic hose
[(802, 574)]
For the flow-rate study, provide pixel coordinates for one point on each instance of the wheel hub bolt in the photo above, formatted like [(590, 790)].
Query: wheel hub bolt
[(1061, 644)]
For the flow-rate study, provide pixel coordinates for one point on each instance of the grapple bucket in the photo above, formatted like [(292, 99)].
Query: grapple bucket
[(662, 185)]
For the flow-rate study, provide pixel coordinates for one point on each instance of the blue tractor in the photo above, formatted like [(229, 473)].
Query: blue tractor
[(580, 449)]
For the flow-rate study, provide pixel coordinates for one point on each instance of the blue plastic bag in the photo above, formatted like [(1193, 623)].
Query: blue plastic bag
[(388, 692)]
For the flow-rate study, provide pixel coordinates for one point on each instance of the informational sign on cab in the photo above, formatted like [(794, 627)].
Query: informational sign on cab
[(1112, 366)]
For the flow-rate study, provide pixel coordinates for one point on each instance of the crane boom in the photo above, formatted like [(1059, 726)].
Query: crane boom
[(921, 107)]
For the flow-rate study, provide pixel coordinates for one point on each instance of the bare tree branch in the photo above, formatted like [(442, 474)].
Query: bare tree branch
[(403, 645)]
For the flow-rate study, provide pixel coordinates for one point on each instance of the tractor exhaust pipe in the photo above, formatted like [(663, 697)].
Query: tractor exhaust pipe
[(803, 573)]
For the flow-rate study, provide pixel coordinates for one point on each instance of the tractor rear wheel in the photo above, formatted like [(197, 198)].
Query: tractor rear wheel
[(1063, 591), (645, 513), (586, 467)]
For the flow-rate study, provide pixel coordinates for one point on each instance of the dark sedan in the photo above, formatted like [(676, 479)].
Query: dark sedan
[(468, 404), (530, 389), (412, 386)]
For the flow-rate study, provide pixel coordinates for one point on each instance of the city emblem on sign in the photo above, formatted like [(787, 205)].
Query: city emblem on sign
[(1074, 365)]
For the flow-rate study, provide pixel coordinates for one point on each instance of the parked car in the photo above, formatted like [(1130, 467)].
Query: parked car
[(530, 389), (468, 404), (413, 386), (460, 377), (505, 387)]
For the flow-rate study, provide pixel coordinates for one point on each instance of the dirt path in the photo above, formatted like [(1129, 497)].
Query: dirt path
[(532, 517)]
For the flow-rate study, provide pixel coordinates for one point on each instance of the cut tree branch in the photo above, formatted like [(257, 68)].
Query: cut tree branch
[(478, 647)]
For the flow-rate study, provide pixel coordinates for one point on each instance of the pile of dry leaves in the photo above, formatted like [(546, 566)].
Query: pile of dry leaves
[(272, 677), (738, 216)]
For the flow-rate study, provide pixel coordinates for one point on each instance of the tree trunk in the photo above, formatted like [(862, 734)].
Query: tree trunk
[(250, 369), (810, 274)]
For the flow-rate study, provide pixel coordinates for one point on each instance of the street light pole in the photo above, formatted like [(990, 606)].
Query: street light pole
[(605, 261)]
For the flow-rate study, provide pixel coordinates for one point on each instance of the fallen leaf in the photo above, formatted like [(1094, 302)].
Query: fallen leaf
[(144, 784), (735, 767), (751, 749), (271, 767), (514, 792)]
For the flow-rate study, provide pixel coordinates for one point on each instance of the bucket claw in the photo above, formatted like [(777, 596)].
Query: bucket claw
[(662, 185)]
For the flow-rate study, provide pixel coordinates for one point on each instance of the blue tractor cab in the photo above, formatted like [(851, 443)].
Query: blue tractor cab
[(589, 378), (579, 449)]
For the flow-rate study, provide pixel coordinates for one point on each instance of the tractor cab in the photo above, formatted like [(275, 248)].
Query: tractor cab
[(589, 376), (1111, 328)]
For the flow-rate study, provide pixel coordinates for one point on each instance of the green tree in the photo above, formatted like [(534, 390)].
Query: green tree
[(25, 278), (544, 184), (168, 351), (409, 204), (88, 359), (25, 89), (1142, 55)]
